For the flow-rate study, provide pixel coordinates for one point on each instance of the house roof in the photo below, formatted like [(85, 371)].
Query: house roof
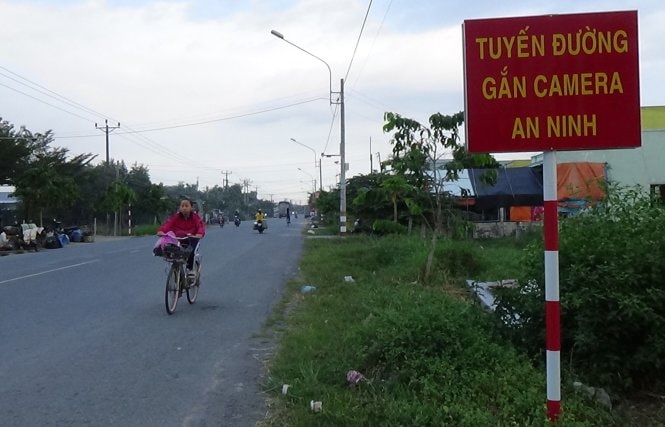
[(514, 187)]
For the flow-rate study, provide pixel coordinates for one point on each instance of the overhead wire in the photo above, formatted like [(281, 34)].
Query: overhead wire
[(369, 6), (133, 135), (44, 102)]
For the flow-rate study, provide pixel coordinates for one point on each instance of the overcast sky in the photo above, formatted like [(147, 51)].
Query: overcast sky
[(209, 89)]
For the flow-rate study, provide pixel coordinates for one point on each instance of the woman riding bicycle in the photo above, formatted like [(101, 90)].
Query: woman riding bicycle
[(185, 223)]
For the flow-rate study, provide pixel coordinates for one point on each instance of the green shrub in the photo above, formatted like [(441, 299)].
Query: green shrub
[(430, 359), (459, 259), (145, 230), (384, 226), (612, 287)]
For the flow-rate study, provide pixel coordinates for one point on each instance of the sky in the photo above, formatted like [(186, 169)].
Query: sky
[(201, 88)]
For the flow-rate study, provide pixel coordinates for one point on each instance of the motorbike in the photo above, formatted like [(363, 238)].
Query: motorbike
[(260, 225), (236, 220), (222, 220)]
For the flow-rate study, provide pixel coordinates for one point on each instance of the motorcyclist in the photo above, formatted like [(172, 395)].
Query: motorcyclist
[(260, 216)]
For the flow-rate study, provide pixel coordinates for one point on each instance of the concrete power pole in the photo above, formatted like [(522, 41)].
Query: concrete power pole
[(245, 185), (107, 129), (371, 163), (226, 180)]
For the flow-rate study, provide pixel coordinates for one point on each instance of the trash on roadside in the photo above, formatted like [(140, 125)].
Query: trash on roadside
[(285, 388), (349, 279), (310, 232), (354, 378), (307, 289), (316, 405), (594, 393)]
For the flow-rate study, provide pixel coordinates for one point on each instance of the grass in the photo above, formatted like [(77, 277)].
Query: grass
[(430, 357), (145, 230)]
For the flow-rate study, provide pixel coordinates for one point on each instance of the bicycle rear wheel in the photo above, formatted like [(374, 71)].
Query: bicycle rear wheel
[(172, 288), (193, 289)]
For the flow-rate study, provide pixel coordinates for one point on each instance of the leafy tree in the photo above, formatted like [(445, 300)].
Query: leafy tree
[(47, 179), (328, 204), (397, 187), (16, 147), (368, 199), (416, 151)]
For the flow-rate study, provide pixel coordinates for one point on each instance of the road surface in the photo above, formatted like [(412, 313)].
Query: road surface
[(85, 339)]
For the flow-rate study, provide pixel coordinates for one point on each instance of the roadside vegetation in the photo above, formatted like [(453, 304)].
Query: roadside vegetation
[(429, 355), (76, 189)]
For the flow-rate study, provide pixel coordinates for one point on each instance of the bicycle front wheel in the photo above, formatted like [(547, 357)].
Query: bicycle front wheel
[(172, 289), (193, 289)]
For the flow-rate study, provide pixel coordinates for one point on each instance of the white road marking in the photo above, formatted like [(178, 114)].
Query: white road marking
[(48, 271)]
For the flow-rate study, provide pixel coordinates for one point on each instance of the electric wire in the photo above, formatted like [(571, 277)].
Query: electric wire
[(369, 6)]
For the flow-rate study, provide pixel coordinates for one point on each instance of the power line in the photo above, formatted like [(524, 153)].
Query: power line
[(66, 100), (221, 119), (47, 103), (358, 41), (332, 123)]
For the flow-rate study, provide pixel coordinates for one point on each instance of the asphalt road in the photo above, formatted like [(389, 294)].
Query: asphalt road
[(85, 339)]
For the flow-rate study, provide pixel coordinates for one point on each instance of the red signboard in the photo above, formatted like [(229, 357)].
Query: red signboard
[(556, 82)]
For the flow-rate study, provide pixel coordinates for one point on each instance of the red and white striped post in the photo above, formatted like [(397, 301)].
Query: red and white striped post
[(129, 215), (552, 305)]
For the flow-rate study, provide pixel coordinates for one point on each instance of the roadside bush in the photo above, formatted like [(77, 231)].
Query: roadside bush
[(612, 287), (429, 359), (459, 259), (145, 230), (384, 226)]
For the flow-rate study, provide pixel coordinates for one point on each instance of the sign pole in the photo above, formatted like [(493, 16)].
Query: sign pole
[(552, 305)]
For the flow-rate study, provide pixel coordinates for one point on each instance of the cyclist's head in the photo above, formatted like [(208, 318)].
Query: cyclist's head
[(185, 206)]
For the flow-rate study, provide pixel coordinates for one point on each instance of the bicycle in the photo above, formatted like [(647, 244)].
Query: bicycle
[(177, 281)]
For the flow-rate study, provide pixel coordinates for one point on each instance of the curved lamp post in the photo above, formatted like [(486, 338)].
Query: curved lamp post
[(311, 176), (320, 171), (340, 101)]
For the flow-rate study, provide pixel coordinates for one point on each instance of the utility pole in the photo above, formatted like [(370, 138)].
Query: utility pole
[(107, 129), (245, 185), (226, 181), (342, 158), (371, 164), (380, 164)]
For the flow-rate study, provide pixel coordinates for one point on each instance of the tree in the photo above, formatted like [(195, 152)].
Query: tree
[(397, 187), (416, 151), (46, 179)]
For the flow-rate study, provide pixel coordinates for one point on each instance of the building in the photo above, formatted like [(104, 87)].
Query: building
[(8, 205), (641, 166)]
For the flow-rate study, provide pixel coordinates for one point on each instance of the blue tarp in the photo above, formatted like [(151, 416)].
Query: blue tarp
[(514, 187)]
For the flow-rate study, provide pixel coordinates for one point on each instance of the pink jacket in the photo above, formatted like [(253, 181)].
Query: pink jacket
[(182, 226)]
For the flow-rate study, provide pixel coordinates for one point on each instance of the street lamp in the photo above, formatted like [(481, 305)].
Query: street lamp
[(313, 151), (340, 101), (311, 176)]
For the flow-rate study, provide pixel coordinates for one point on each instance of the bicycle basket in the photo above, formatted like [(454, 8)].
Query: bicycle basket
[(173, 252)]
